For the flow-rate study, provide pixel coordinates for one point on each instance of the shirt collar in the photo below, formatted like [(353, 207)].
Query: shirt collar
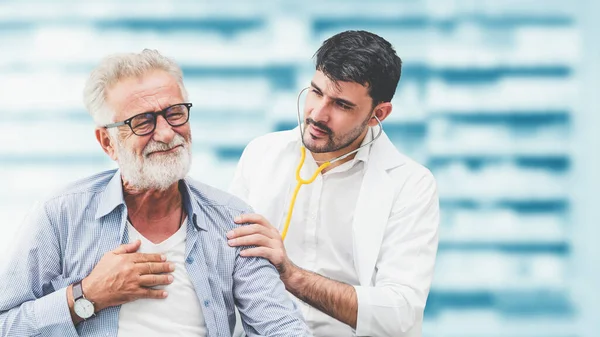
[(112, 197), (191, 204)]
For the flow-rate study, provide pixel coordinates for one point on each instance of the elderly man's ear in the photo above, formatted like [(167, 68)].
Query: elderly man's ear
[(107, 145)]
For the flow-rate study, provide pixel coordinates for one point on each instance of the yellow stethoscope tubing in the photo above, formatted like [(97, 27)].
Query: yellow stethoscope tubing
[(300, 183)]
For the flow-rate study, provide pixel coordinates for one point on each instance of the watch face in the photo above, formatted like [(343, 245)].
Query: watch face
[(84, 308)]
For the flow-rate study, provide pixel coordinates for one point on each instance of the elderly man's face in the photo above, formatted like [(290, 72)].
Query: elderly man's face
[(157, 160)]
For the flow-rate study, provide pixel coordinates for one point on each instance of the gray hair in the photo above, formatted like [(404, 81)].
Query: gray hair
[(117, 67)]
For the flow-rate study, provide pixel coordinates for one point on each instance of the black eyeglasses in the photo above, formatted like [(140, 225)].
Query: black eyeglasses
[(145, 123)]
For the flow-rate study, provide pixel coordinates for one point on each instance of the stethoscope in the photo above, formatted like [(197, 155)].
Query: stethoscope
[(321, 168)]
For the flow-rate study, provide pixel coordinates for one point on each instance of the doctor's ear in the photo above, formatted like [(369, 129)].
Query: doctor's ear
[(381, 111)]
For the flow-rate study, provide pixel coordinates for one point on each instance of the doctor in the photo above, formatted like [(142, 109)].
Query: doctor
[(360, 251)]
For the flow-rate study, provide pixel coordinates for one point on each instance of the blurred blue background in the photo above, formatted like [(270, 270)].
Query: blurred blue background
[(498, 98)]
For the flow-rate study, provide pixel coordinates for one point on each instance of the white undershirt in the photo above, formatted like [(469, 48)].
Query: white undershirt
[(320, 234), (180, 313)]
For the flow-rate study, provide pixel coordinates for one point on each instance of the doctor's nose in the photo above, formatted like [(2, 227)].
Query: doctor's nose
[(320, 112)]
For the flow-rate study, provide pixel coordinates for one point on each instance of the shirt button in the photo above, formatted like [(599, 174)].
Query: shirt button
[(189, 260), (206, 303)]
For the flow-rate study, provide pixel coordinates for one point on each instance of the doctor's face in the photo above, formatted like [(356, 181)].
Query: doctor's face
[(336, 115)]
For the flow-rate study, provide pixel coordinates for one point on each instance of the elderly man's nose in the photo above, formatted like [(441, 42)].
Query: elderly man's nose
[(163, 132)]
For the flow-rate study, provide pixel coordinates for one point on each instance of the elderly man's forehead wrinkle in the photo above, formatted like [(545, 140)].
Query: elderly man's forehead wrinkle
[(147, 100)]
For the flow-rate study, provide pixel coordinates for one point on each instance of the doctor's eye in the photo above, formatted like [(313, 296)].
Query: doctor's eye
[(343, 105), (317, 92)]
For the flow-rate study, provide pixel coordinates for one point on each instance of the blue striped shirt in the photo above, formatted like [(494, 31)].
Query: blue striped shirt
[(64, 238)]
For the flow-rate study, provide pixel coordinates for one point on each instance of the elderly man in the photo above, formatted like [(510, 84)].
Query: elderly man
[(140, 251)]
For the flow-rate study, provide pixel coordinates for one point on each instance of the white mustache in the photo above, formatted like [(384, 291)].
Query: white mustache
[(154, 146)]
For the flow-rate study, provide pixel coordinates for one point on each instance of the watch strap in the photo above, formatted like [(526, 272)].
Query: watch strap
[(77, 291)]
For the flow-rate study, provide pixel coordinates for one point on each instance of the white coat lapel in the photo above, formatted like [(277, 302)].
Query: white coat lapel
[(370, 220), (374, 206)]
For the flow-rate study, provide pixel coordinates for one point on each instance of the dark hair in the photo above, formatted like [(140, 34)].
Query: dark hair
[(364, 58)]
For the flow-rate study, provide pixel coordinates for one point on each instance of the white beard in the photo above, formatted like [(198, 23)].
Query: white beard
[(159, 171)]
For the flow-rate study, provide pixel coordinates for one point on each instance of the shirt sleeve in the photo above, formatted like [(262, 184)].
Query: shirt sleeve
[(404, 270), (29, 305), (264, 305)]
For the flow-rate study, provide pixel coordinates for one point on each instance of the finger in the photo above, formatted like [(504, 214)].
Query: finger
[(154, 268), (252, 218), (127, 248), (144, 257), (251, 240), (258, 252), (155, 280), (248, 230), (152, 293)]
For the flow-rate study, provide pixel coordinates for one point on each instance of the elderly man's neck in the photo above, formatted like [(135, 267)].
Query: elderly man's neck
[(155, 214)]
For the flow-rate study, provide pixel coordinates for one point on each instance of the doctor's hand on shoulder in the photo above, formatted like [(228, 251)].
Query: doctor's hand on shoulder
[(266, 241)]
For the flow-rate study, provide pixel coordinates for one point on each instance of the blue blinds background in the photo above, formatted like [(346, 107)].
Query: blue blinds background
[(498, 98)]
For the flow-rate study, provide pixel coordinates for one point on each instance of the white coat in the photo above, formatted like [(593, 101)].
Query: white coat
[(395, 227)]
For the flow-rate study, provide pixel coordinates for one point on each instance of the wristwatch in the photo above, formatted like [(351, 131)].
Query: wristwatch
[(83, 307)]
